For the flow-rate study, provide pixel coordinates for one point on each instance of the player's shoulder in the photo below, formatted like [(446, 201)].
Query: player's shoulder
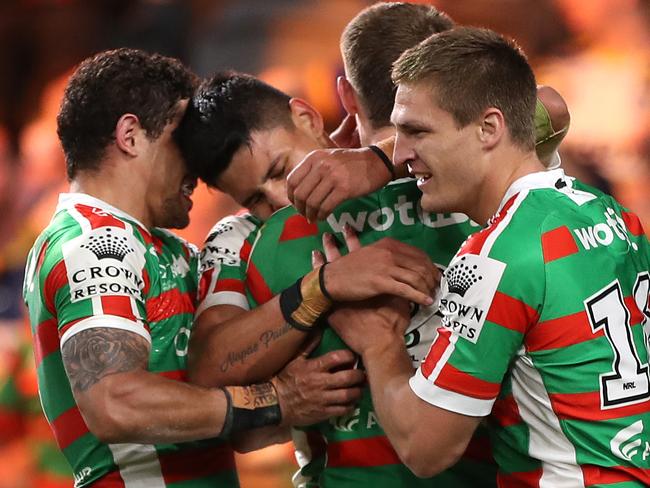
[(175, 242), (233, 227)]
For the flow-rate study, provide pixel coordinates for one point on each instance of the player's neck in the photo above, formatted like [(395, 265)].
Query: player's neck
[(368, 135), (125, 194), (509, 166)]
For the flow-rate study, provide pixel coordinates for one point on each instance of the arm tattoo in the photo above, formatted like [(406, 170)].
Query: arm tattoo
[(92, 354), (266, 338)]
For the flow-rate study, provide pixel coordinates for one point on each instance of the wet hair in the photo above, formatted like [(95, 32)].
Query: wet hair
[(470, 70), (220, 118), (373, 41), (113, 83)]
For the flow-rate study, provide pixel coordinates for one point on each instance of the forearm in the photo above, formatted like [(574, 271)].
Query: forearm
[(426, 438), (143, 407), (245, 348)]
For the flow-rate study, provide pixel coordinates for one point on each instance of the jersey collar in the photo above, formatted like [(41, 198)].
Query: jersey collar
[(69, 200), (554, 178)]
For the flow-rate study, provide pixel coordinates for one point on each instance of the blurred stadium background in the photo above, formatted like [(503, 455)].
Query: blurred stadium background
[(595, 53)]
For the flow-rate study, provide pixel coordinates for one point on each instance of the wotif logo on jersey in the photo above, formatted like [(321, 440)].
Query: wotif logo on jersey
[(467, 291), (104, 261), (404, 210), (604, 233)]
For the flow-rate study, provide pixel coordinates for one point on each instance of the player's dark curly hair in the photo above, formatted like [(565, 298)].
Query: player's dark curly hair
[(220, 118), (113, 83)]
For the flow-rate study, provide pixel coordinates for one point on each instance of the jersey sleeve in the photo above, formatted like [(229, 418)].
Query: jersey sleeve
[(97, 278), (487, 302), (224, 258)]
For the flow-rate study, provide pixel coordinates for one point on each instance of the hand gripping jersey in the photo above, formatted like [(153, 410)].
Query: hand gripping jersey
[(224, 259), (353, 451), (544, 313), (94, 266)]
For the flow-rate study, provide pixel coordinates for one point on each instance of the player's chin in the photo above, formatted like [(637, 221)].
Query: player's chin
[(429, 203)]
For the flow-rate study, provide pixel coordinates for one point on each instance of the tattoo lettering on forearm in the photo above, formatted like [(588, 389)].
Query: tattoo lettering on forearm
[(266, 338), (253, 396), (90, 355), (269, 336)]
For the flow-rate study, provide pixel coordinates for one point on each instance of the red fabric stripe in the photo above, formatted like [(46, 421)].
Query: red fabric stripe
[(453, 379), (561, 332), (297, 227), (111, 480), (178, 375), (229, 284), (41, 255), (204, 283), (599, 475), (46, 340), (118, 305), (157, 243), (147, 282), (506, 412), (586, 406), (168, 304), (632, 223), (636, 317), (257, 286), (196, 463), (68, 427), (361, 453), (511, 313), (98, 217), (475, 242), (65, 328), (12, 426), (435, 353), (557, 244), (529, 479), (53, 283), (245, 251)]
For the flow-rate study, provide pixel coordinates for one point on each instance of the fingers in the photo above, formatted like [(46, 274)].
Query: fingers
[(302, 191), (407, 292), (331, 249), (295, 178), (339, 359), (323, 189), (351, 238), (317, 258)]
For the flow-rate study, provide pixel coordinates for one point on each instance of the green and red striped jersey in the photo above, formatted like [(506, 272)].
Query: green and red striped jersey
[(95, 266), (353, 451), (224, 259), (544, 313)]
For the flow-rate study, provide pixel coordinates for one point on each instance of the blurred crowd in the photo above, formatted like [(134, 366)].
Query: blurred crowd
[(596, 54)]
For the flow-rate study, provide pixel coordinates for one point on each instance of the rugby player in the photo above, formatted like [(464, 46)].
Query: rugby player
[(543, 310), (111, 296)]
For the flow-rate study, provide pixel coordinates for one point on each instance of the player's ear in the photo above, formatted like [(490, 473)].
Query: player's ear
[(128, 133), (305, 117), (347, 95), (491, 127)]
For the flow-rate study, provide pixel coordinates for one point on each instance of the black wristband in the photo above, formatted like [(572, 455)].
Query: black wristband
[(290, 300), (250, 407), (384, 159), (321, 282)]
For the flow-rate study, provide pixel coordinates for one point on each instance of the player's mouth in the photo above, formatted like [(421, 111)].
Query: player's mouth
[(421, 176)]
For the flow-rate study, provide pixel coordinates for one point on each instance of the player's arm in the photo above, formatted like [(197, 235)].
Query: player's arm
[(328, 177), (253, 344)]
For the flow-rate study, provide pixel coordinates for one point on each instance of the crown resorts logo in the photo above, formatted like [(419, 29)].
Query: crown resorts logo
[(108, 245), (461, 277)]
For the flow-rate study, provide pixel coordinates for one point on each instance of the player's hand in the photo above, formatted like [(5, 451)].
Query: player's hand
[(385, 267), (328, 177), (313, 390), (371, 323), (347, 133)]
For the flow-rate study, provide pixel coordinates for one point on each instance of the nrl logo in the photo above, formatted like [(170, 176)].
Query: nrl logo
[(108, 245), (461, 277)]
